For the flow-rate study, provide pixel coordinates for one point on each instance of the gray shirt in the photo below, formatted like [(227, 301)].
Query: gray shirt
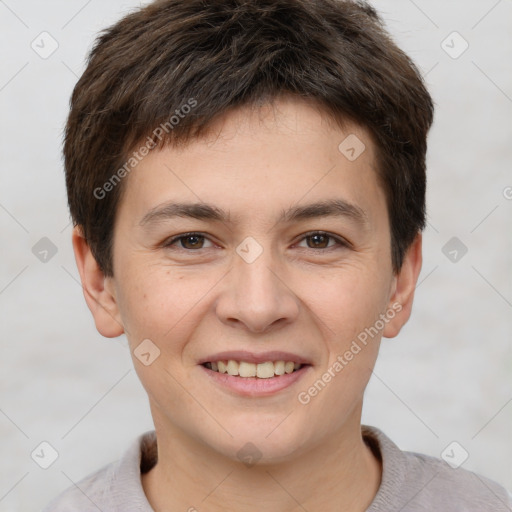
[(411, 482)]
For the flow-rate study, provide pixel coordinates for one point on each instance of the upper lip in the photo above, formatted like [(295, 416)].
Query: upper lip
[(256, 358)]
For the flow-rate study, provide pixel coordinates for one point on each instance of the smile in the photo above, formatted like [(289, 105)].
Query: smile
[(254, 379), (244, 369)]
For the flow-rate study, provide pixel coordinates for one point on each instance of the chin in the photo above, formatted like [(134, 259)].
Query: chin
[(269, 440)]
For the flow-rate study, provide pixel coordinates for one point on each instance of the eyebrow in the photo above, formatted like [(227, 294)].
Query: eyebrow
[(204, 211)]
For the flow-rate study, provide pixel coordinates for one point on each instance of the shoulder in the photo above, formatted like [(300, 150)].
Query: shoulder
[(442, 483), (417, 483), (115, 487), (87, 495)]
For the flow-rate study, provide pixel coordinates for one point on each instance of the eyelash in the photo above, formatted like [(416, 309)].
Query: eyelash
[(340, 242)]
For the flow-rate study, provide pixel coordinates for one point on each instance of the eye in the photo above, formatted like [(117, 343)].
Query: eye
[(189, 241), (322, 240), (314, 240)]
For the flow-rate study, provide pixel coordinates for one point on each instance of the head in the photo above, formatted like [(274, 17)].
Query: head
[(289, 138)]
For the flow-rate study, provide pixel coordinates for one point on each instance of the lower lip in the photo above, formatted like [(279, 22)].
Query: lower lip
[(254, 386)]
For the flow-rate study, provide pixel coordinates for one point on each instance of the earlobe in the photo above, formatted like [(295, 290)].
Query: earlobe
[(404, 287), (98, 289)]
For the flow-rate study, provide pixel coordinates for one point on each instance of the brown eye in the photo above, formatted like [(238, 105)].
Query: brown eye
[(190, 241), (321, 240), (318, 241)]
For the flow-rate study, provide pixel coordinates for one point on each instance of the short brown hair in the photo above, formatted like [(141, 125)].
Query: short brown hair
[(221, 54)]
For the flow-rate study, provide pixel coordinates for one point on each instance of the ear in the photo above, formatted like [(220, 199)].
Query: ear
[(98, 290), (403, 289)]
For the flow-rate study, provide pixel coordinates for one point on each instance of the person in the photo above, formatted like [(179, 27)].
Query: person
[(247, 184)]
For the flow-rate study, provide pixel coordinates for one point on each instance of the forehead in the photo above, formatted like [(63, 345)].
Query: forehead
[(258, 160)]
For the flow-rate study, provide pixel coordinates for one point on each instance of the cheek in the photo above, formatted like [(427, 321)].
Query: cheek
[(162, 305), (347, 301), (145, 303), (349, 309)]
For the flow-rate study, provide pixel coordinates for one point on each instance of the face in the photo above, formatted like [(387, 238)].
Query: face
[(262, 247)]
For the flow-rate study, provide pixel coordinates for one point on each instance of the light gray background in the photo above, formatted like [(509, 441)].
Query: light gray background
[(446, 378)]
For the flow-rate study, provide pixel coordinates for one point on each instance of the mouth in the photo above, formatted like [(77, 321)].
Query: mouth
[(255, 375), (246, 369)]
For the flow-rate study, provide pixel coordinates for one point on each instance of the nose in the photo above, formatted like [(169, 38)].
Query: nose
[(256, 295)]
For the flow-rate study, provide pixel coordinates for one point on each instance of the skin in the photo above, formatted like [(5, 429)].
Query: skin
[(304, 295)]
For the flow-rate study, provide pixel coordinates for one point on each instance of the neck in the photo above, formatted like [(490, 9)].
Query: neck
[(189, 476)]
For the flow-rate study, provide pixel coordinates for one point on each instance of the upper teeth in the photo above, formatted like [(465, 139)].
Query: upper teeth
[(261, 370)]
